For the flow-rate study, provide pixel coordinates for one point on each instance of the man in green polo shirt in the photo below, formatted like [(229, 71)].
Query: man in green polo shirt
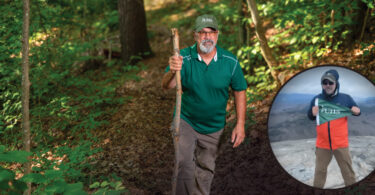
[(207, 72)]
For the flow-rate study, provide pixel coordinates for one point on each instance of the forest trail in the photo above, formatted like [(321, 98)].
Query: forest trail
[(137, 144)]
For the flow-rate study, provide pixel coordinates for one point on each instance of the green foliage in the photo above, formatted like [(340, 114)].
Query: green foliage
[(10, 70), (262, 81), (370, 4), (368, 49), (52, 182), (8, 183), (303, 32), (108, 187), (13, 156), (70, 96), (62, 100), (55, 59), (49, 181), (307, 29)]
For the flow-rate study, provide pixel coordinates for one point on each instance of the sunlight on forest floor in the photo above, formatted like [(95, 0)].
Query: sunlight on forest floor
[(156, 4)]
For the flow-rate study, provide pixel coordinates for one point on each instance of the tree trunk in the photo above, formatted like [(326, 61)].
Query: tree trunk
[(26, 86), (332, 24), (259, 30), (367, 14), (364, 24), (241, 26), (133, 31)]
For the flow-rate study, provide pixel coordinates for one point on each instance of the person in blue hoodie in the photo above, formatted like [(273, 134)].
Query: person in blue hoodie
[(332, 136)]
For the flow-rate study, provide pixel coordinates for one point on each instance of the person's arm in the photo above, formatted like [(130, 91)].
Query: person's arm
[(175, 64), (353, 106), (169, 81), (313, 110), (238, 133)]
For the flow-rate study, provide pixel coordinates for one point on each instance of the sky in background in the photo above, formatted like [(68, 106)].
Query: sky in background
[(351, 82)]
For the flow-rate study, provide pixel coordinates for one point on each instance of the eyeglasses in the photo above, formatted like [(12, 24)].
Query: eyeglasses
[(326, 82), (207, 33)]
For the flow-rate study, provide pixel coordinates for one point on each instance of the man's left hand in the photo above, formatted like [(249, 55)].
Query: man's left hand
[(356, 110), (238, 135)]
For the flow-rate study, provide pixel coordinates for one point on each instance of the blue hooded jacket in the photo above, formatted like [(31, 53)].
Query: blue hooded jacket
[(337, 98)]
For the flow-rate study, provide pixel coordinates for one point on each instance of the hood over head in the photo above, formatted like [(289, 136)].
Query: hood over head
[(333, 76)]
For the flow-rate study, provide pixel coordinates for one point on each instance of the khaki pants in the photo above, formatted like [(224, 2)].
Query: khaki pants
[(197, 155), (323, 158)]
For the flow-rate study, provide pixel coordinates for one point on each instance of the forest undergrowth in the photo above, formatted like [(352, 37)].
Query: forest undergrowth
[(99, 127)]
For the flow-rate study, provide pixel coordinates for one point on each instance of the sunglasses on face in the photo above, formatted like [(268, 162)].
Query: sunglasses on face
[(210, 33), (326, 82)]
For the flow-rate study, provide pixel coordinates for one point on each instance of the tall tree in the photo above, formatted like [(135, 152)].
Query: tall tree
[(259, 31), (133, 31), (26, 86)]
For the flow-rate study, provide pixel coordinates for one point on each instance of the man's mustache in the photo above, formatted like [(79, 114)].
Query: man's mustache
[(208, 40)]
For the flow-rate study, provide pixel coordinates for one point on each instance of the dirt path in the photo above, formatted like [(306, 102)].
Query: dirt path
[(138, 145)]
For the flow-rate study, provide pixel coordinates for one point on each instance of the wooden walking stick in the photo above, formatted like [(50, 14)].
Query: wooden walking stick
[(176, 131)]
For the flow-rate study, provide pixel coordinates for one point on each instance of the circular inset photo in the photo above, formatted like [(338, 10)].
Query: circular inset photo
[(321, 127)]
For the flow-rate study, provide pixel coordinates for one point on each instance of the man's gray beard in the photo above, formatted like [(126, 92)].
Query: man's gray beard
[(207, 49)]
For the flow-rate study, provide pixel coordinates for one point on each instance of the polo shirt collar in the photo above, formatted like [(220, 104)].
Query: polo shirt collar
[(194, 52), (215, 57)]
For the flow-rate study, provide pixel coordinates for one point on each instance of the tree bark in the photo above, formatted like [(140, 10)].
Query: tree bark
[(26, 86), (332, 24), (133, 31), (364, 24), (241, 25), (259, 31)]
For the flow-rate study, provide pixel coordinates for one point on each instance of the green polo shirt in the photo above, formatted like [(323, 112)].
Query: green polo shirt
[(205, 88)]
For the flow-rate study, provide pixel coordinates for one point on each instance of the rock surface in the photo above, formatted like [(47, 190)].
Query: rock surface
[(297, 157)]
